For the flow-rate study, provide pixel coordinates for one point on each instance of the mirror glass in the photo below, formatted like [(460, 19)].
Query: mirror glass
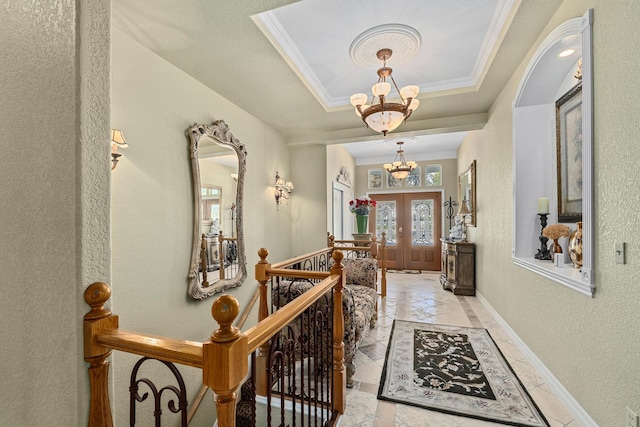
[(467, 191), (218, 163)]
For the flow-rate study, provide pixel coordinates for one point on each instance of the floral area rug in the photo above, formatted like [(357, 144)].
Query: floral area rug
[(455, 370)]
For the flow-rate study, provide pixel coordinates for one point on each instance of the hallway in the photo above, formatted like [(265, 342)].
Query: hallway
[(420, 297)]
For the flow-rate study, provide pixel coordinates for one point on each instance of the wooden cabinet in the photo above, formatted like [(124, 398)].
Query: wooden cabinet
[(458, 272)]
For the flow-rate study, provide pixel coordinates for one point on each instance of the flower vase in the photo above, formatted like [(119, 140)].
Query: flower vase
[(575, 246), (362, 222), (556, 248)]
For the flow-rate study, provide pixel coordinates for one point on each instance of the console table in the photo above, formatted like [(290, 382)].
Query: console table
[(458, 273)]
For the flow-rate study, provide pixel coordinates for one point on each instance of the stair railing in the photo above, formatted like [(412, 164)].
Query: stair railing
[(224, 357)]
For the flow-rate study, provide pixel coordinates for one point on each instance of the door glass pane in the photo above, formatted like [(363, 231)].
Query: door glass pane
[(422, 222), (386, 221)]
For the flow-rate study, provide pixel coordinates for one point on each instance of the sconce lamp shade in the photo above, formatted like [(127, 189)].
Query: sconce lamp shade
[(117, 141), (117, 137), (282, 189)]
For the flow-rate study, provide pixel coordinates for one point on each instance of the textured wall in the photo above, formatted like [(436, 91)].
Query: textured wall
[(154, 104), (591, 345), (54, 232)]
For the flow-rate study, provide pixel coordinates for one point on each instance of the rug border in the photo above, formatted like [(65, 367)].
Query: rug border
[(383, 377)]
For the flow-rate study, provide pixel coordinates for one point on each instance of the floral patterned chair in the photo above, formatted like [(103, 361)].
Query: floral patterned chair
[(359, 303)]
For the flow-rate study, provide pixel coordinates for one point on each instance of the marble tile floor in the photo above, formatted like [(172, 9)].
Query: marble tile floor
[(420, 297)]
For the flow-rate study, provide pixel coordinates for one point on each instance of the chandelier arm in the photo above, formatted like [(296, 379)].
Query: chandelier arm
[(397, 90), (408, 114)]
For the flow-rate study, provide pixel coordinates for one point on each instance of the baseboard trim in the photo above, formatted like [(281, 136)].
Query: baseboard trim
[(579, 414)]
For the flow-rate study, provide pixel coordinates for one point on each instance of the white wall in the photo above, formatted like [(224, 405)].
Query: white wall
[(54, 220), (308, 204), (154, 104), (591, 345)]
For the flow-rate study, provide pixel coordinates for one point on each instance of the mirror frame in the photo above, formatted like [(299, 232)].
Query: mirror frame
[(472, 180), (219, 132)]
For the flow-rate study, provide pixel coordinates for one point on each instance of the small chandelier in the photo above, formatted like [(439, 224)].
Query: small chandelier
[(384, 116), (400, 168)]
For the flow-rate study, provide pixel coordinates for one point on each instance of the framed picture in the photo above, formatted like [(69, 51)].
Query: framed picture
[(433, 175), (393, 182), (375, 178), (415, 177), (569, 154)]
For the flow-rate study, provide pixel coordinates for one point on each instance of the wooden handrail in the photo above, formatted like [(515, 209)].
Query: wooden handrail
[(302, 274), (170, 350), (295, 260), (265, 329)]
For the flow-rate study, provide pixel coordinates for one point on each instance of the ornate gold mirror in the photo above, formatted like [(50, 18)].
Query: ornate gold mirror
[(218, 164), (467, 191)]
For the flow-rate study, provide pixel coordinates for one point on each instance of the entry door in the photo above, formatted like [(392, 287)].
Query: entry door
[(413, 224)]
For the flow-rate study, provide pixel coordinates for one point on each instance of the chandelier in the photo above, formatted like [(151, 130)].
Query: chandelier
[(400, 168), (384, 116)]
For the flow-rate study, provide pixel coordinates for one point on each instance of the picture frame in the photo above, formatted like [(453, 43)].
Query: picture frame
[(375, 178), (415, 178), (569, 154)]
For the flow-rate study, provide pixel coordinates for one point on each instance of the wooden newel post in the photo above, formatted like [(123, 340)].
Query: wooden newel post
[(99, 319), (263, 312), (224, 359), (339, 376)]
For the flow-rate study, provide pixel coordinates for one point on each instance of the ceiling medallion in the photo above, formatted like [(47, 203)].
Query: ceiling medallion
[(405, 42), (384, 116)]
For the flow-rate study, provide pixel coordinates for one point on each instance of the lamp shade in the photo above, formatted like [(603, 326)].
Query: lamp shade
[(464, 210), (384, 121), (381, 89), (410, 91), (117, 137), (358, 99), (401, 174)]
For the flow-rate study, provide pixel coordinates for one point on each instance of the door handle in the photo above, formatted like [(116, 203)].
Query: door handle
[(400, 230)]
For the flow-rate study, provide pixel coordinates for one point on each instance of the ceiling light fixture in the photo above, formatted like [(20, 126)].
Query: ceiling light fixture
[(565, 53), (384, 116), (400, 168)]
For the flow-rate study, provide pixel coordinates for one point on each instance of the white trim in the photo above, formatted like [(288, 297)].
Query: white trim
[(417, 157), (579, 414), (584, 281), (568, 275), (570, 27)]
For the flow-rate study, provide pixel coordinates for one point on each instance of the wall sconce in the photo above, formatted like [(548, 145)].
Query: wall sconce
[(283, 189), (117, 141)]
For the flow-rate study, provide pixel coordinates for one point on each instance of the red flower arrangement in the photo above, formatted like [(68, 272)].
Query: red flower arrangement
[(361, 205)]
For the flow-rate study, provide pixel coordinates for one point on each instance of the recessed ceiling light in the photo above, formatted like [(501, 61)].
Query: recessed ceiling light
[(566, 53)]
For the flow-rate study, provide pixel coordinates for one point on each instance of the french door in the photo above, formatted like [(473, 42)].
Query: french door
[(413, 224)]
